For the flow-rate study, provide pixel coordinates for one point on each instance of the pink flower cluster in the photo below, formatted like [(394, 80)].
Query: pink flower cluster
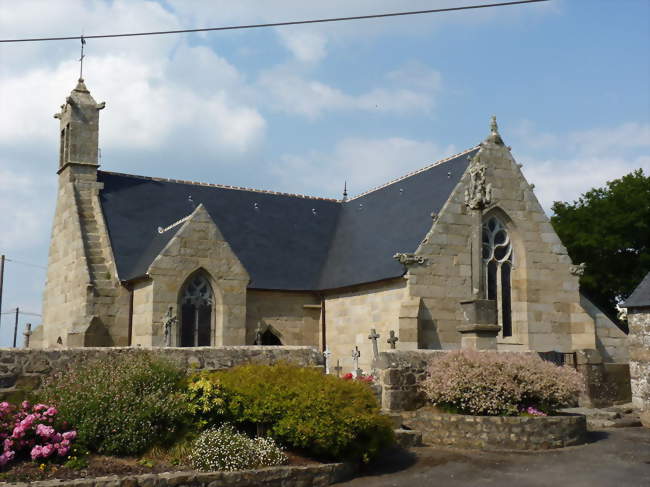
[(361, 378), (30, 431), (533, 411)]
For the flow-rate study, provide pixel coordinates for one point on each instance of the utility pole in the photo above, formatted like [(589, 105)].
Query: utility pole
[(2, 276), (16, 325)]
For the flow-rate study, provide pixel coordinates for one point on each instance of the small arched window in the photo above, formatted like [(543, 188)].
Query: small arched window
[(196, 319), (497, 259)]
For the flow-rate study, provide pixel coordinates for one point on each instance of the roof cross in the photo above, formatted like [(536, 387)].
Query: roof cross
[(81, 59)]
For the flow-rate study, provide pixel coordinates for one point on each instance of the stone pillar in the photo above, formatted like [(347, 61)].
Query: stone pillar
[(639, 345), (481, 330)]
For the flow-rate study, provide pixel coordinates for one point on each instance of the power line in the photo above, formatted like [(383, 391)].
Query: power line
[(277, 24)]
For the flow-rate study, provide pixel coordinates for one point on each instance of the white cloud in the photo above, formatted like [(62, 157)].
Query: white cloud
[(306, 45), (363, 163), (410, 89), (581, 160)]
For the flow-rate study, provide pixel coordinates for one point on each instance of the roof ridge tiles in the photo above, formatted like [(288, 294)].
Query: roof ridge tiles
[(224, 186), (413, 173), (294, 195)]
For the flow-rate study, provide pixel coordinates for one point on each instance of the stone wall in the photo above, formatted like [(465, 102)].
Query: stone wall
[(22, 371), (400, 373), (350, 315), (496, 432), (639, 339), (288, 476), (546, 307), (611, 341), (293, 316)]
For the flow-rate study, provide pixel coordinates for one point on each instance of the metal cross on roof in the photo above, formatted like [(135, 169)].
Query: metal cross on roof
[(81, 59)]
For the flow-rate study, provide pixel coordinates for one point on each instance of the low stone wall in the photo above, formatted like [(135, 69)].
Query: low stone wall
[(400, 373), (22, 370), (313, 475), (496, 432)]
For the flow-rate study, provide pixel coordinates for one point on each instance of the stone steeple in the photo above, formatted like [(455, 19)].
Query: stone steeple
[(79, 118), (494, 136)]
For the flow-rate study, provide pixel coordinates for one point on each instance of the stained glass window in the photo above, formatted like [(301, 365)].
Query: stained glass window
[(196, 319), (497, 258)]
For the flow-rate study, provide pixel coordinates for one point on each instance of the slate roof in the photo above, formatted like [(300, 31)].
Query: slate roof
[(285, 242), (640, 297)]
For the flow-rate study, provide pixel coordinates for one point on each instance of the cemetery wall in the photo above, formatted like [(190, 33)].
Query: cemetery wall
[(294, 317), (23, 370)]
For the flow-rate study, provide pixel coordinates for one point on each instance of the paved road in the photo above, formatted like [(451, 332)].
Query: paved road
[(612, 458)]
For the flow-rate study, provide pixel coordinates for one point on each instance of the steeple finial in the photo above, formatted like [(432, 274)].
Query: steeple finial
[(345, 191), (494, 136), (494, 128), (81, 59)]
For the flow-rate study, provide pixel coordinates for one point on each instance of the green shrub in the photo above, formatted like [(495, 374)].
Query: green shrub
[(224, 448), (122, 404), (301, 408), (500, 384)]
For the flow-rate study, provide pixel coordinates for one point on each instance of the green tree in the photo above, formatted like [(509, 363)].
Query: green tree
[(609, 229)]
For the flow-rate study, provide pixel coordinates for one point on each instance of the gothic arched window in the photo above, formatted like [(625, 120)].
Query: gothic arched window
[(497, 258), (197, 302)]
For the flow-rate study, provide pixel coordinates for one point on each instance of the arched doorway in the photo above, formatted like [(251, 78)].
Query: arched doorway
[(267, 337), (197, 304)]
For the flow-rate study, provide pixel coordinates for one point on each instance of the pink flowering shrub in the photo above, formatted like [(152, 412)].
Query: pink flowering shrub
[(31, 432), (498, 384)]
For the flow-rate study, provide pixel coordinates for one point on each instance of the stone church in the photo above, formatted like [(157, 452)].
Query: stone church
[(458, 251)]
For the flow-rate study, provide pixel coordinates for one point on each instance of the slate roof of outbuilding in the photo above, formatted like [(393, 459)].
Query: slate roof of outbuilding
[(285, 241), (640, 297)]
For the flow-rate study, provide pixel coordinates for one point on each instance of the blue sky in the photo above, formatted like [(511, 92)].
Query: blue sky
[(302, 109)]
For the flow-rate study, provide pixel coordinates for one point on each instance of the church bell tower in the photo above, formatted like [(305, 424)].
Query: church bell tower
[(79, 128)]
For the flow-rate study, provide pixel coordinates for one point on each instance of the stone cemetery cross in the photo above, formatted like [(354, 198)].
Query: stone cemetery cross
[(374, 336), (258, 334), (27, 334), (327, 354), (392, 339), (168, 323), (338, 368), (355, 359)]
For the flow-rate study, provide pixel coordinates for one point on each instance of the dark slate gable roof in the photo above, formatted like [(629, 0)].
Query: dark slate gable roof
[(641, 296), (286, 242)]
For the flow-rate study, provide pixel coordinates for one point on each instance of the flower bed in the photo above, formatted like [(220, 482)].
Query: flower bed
[(497, 432)]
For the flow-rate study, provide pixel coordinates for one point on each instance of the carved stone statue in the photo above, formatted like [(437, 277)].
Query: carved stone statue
[(479, 192), (169, 320)]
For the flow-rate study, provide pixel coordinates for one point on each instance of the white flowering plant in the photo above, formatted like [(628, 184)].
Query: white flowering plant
[(500, 384), (225, 449)]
